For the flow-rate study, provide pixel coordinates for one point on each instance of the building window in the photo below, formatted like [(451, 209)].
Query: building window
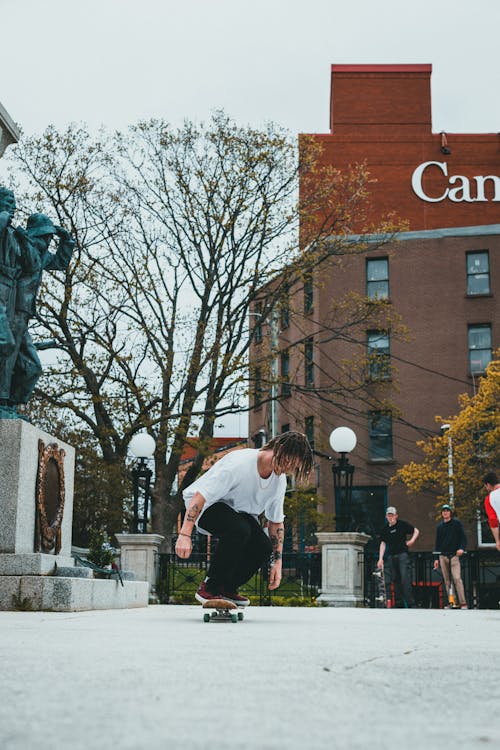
[(309, 363), (379, 362), (285, 308), (257, 387), (286, 388), (478, 272), (380, 433), (257, 315), (285, 428), (308, 293), (377, 278), (479, 348), (309, 430)]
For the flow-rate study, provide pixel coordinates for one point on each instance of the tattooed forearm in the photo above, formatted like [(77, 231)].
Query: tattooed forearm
[(193, 512), (276, 536)]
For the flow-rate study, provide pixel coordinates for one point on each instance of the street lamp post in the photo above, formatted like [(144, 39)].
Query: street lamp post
[(142, 446), (445, 428), (343, 441)]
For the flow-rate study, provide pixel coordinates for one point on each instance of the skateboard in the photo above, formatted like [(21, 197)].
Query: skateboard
[(381, 597), (222, 611)]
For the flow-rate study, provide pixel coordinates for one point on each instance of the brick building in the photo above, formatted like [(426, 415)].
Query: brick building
[(439, 277)]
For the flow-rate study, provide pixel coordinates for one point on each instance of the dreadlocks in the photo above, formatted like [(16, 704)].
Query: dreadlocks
[(292, 446)]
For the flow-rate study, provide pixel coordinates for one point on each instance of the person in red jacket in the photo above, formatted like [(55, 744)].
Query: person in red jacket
[(492, 504)]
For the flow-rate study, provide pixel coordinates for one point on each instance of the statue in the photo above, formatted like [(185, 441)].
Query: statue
[(24, 256), (10, 267)]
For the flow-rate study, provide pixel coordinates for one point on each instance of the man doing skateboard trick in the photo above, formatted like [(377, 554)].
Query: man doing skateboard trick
[(226, 502)]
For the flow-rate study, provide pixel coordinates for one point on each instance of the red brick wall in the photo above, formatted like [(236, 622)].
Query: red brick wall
[(382, 115)]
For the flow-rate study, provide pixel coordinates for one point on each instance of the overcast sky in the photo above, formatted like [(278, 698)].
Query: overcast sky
[(114, 62)]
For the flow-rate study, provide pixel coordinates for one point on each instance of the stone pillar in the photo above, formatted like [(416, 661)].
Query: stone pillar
[(342, 568), (138, 554)]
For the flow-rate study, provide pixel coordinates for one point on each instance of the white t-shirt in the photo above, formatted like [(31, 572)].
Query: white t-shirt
[(235, 480)]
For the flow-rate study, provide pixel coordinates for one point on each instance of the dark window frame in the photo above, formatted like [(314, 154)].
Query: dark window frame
[(377, 437), (472, 277), (309, 362), (379, 362), (475, 327), (308, 293), (383, 279), (286, 388)]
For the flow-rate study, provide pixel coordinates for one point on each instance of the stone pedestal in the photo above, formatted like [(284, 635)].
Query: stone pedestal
[(138, 553), (18, 476), (34, 576), (342, 568)]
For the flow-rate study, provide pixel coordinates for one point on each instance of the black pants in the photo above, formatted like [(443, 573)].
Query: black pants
[(399, 574), (242, 549)]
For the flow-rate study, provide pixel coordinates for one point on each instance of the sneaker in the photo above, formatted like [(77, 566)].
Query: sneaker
[(233, 596), (464, 606), (204, 595)]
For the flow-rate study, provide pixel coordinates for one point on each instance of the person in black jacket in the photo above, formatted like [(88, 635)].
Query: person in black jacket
[(394, 540), (451, 544)]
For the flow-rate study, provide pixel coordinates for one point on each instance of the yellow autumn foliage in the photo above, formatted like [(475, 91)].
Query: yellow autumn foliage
[(475, 439)]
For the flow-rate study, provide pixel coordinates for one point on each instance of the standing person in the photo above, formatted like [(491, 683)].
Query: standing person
[(226, 502), (492, 504), (393, 538), (451, 544)]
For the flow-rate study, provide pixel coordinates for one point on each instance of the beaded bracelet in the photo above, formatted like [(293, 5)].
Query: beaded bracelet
[(181, 534)]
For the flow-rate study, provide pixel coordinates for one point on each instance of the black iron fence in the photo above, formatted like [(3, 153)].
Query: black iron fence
[(480, 575), (178, 580)]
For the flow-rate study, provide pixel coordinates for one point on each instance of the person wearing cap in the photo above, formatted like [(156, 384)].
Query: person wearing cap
[(394, 540), (492, 504), (451, 544)]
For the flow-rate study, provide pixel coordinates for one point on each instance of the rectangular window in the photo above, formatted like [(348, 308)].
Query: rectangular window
[(479, 348), (257, 387), (478, 272), (379, 361), (309, 362), (308, 293), (285, 428), (309, 430), (380, 433), (285, 374), (285, 308), (377, 278)]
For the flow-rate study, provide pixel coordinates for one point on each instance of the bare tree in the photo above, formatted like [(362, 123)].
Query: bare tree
[(178, 232)]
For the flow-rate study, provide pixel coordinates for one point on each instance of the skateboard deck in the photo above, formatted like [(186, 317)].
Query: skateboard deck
[(222, 611), (381, 597)]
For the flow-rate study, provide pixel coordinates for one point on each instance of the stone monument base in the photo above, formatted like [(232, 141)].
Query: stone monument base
[(58, 594), (33, 577)]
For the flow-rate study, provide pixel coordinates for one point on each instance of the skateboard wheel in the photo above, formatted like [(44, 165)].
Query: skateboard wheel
[(234, 618), (240, 616), (206, 617)]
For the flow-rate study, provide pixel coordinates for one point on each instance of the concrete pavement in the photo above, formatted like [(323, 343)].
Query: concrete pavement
[(284, 678)]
